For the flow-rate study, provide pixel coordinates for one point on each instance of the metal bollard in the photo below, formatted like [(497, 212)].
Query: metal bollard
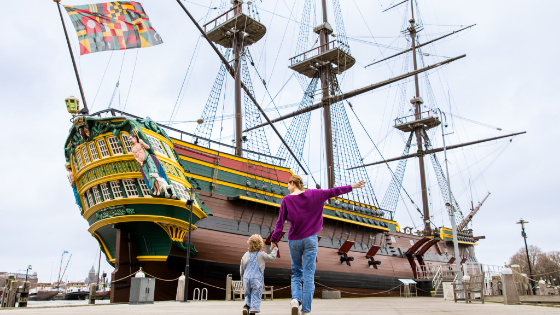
[(194, 298), (228, 287), (202, 295)]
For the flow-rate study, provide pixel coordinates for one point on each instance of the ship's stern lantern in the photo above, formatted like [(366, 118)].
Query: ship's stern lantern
[(72, 105)]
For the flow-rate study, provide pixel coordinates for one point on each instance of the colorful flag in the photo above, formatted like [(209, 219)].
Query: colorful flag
[(114, 25)]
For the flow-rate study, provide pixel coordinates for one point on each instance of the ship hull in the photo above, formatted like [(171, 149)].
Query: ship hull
[(139, 227), (46, 295)]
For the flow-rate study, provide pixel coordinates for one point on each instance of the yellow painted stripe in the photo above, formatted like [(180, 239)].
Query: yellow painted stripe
[(231, 170), (109, 178), (260, 201), (354, 222), (129, 175), (143, 200), (151, 258), (354, 203), (158, 136), (360, 215), (221, 182), (117, 158), (100, 240), (139, 218), (232, 157)]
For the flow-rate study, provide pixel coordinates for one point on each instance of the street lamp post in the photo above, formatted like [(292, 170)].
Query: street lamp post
[(190, 204), (26, 273), (522, 222)]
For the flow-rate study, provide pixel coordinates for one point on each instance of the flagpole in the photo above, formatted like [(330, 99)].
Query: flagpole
[(72, 56)]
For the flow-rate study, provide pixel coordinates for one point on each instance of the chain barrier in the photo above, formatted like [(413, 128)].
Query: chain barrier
[(528, 276), (132, 274), (359, 293), (282, 288), (213, 286)]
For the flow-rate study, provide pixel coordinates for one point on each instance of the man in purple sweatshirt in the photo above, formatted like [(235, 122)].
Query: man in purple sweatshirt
[(304, 209)]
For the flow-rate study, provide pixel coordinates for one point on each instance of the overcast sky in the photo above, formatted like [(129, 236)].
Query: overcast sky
[(507, 80)]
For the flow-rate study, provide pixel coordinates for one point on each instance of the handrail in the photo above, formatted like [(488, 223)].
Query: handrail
[(403, 120), (318, 49), (226, 14), (436, 282), (116, 111)]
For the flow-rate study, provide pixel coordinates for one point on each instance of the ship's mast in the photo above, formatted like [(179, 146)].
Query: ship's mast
[(325, 76), (418, 129), (237, 46)]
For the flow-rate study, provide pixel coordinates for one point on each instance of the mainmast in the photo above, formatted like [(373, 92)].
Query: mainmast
[(237, 42), (324, 31), (419, 128)]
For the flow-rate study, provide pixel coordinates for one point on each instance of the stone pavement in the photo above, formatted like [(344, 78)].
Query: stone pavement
[(385, 306)]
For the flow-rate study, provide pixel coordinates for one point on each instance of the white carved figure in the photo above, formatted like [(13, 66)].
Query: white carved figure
[(163, 186)]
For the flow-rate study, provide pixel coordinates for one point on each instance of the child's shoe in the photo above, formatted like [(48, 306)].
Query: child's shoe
[(295, 306), (246, 309)]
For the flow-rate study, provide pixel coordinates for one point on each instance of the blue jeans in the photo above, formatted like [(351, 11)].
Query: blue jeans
[(303, 254), (253, 293)]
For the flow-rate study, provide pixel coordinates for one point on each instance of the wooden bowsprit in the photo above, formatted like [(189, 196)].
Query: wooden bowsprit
[(268, 242), (371, 256), (343, 252)]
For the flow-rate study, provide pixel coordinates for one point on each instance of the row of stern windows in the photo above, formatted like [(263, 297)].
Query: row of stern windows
[(124, 188), (105, 147)]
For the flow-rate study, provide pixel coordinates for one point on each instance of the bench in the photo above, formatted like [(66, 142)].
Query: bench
[(469, 288), (238, 289)]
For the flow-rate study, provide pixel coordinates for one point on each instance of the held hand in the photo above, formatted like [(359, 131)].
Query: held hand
[(359, 184), (272, 245)]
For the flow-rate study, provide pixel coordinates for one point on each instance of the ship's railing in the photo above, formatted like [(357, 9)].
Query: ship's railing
[(224, 17), (413, 117), (489, 271), (319, 50), (115, 112), (438, 279)]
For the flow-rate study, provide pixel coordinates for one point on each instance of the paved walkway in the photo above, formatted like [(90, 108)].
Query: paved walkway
[(385, 306)]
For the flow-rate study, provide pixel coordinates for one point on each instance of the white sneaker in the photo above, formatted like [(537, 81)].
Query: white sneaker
[(295, 306)]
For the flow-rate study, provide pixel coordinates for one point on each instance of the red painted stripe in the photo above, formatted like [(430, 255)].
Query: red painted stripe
[(257, 170)]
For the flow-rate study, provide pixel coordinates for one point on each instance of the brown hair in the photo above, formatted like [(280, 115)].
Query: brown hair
[(255, 243), (297, 181)]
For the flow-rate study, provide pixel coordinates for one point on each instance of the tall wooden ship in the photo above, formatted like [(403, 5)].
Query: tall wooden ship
[(132, 180)]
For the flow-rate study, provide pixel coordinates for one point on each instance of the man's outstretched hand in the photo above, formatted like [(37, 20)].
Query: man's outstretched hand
[(359, 184)]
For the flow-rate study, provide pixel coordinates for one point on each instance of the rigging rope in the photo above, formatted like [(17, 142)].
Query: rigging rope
[(130, 87), (102, 78)]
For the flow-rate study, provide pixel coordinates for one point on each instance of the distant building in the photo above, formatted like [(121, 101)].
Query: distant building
[(92, 276), (20, 277)]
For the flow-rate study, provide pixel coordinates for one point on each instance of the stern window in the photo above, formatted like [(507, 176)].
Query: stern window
[(126, 142), (86, 155), (180, 191), (156, 145), (86, 204), (115, 146), (115, 187), (90, 199), (169, 152), (79, 156), (105, 192), (145, 190), (93, 151), (130, 188), (96, 194), (102, 148)]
